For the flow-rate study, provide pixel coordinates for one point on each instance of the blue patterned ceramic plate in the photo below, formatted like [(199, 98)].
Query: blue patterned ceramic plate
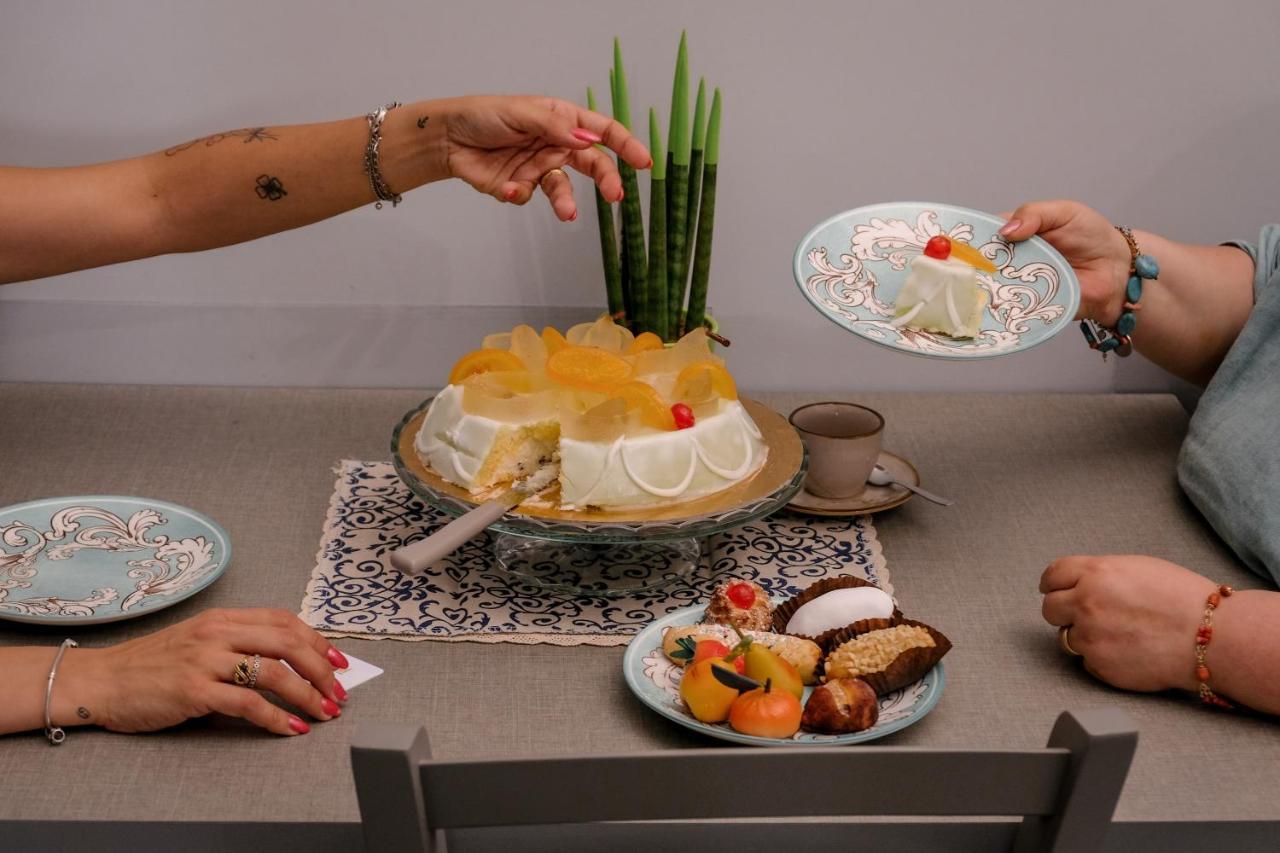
[(104, 558), (656, 680), (852, 266)]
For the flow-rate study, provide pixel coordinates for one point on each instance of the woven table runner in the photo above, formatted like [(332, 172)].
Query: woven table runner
[(355, 592)]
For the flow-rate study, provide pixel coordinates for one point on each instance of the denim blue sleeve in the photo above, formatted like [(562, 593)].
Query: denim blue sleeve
[(1230, 462)]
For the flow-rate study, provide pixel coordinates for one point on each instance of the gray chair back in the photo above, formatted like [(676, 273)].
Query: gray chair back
[(1066, 794)]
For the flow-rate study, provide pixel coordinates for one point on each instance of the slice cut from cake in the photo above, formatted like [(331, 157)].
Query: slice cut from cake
[(628, 424), (942, 293)]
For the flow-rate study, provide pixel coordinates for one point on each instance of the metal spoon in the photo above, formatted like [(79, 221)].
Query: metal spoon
[(881, 477)]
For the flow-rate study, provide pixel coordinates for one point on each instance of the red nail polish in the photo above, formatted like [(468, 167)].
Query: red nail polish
[(337, 658), (650, 164), (586, 135), (339, 691), (509, 194), (298, 726), (330, 707)]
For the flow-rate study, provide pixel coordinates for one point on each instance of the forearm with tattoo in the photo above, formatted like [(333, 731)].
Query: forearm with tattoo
[(219, 189)]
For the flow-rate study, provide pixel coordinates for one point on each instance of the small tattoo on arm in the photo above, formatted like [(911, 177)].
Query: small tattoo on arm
[(270, 188), (82, 713), (246, 134), (422, 122)]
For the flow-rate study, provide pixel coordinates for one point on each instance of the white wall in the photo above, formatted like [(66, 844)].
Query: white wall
[(1160, 114)]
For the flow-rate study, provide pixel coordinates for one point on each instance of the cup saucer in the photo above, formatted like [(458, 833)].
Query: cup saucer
[(872, 499)]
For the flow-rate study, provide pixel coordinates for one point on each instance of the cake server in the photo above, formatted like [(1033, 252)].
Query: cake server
[(880, 476), (418, 555)]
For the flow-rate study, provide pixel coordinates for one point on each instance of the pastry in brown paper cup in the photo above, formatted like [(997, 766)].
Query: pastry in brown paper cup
[(907, 668), (862, 626), (783, 612)]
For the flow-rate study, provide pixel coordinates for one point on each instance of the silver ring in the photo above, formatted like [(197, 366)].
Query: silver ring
[(1066, 643)]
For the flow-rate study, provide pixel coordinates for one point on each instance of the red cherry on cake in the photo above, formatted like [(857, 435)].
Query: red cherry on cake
[(741, 594), (683, 415), (938, 247)]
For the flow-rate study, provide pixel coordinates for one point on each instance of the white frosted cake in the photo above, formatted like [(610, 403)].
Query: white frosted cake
[(629, 423), (941, 293)]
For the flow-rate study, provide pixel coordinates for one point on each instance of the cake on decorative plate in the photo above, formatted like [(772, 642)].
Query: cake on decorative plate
[(628, 421), (941, 293)]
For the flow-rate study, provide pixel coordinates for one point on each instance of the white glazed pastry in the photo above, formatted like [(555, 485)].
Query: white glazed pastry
[(838, 608)]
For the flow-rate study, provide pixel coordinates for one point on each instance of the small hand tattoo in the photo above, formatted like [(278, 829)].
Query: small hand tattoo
[(270, 188), (250, 134), (422, 122), (82, 713)]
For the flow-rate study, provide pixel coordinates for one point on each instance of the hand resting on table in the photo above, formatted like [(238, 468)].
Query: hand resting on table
[(180, 672)]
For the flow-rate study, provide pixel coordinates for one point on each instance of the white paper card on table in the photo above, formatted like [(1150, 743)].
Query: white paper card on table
[(357, 672)]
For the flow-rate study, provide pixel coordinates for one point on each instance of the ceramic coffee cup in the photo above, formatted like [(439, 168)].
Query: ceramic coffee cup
[(843, 440)]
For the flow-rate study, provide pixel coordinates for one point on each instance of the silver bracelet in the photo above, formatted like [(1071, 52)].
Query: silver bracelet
[(55, 734), (371, 164)]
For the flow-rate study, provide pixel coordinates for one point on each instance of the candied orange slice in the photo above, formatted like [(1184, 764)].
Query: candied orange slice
[(554, 340), (645, 341), (971, 256), (483, 361), (592, 368), (695, 374), (643, 398)]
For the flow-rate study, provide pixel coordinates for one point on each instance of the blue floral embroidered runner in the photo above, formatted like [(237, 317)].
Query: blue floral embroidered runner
[(354, 590)]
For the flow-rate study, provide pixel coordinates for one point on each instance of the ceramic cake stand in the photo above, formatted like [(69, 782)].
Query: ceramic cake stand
[(598, 553)]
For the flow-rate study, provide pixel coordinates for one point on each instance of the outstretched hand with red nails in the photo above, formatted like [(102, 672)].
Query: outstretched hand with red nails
[(504, 146)]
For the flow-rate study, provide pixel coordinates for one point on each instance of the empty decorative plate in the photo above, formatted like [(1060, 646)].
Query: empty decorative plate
[(102, 558), (852, 266)]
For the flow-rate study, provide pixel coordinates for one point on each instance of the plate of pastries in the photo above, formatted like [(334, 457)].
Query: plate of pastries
[(837, 663)]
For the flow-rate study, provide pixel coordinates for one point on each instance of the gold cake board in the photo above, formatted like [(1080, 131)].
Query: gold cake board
[(786, 454)]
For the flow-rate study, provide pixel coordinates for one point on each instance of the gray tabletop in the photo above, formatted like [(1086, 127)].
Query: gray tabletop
[(1035, 477)]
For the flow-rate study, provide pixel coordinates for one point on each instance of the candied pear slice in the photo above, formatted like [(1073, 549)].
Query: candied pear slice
[(528, 346), (604, 422), (498, 340)]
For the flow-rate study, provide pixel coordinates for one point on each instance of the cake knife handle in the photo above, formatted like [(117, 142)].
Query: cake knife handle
[(418, 555)]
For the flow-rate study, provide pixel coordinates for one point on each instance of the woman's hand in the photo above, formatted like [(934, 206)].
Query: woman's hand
[(503, 146), (1096, 251), (187, 671), (1133, 618)]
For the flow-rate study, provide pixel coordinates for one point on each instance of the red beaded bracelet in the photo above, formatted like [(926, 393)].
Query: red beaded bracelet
[(1204, 634)]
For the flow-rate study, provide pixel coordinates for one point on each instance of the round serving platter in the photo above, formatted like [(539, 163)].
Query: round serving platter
[(90, 559), (655, 680), (852, 265)]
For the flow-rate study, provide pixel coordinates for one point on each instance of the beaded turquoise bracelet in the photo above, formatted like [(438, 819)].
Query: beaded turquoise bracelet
[(1141, 267)]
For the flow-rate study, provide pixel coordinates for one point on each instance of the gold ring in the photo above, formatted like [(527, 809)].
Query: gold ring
[(542, 182), (242, 673), (1065, 643), (246, 673)]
